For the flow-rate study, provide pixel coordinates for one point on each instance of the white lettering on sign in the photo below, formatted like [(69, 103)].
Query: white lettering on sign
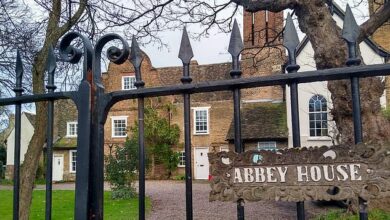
[(299, 173)]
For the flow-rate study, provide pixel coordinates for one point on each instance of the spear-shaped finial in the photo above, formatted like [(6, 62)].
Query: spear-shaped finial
[(51, 67), (350, 34), (350, 28), (19, 73), (136, 59), (185, 52), (235, 45), (291, 39), (135, 54)]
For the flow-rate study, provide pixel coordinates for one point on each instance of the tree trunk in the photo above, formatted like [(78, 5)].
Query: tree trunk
[(34, 151), (330, 51)]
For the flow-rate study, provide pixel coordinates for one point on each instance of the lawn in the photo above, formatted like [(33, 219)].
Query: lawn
[(342, 215), (63, 205)]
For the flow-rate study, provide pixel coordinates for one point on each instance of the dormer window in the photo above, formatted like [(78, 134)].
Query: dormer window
[(128, 82), (71, 129)]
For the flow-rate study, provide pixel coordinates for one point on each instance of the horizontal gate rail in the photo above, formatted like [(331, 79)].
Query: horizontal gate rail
[(36, 98), (282, 79), (221, 85)]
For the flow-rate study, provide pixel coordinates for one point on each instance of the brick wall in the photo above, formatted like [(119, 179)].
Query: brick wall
[(382, 34), (220, 103)]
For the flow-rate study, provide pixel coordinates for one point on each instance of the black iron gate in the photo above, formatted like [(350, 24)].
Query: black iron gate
[(93, 105)]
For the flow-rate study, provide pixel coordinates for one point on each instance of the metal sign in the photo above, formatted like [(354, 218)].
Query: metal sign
[(325, 173)]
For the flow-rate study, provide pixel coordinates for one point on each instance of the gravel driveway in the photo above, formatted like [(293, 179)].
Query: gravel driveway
[(168, 202)]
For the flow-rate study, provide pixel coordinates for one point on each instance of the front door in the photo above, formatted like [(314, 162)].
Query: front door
[(58, 167), (201, 163)]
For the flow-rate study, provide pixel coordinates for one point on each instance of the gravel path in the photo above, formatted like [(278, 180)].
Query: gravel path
[(168, 202)]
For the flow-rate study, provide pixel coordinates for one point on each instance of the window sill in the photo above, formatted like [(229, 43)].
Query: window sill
[(200, 134), (119, 136), (319, 138), (71, 136), (181, 166), (72, 172)]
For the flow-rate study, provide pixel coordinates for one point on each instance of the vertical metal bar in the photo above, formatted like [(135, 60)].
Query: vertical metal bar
[(51, 64), (186, 54), (356, 113), (17, 159), (141, 141), (136, 59), (293, 68), (99, 116), (18, 113), (187, 147), (291, 42), (84, 105), (49, 160), (235, 48), (350, 34)]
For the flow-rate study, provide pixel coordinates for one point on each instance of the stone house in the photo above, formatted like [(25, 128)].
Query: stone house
[(64, 146), (263, 109), (27, 131)]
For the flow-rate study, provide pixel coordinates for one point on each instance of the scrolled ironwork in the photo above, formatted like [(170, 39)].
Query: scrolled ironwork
[(71, 54), (114, 54)]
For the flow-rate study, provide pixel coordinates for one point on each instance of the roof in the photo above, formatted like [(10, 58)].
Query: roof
[(198, 73), (262, 121), (340, 12), (65, 143), (31, 118)]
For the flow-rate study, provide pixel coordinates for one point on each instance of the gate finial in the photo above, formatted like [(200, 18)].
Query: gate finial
[(291, 39), (136, 59), (235, 45), (19, 73), (185, 52), (350, 34), (50, 67), (135, 54), (350, 28)]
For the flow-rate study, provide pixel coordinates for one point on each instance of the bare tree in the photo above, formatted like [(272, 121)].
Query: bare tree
[(145, 18), (91, 17)]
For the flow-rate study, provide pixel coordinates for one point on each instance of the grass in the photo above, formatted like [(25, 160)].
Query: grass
[(63, 206), (342, 215)]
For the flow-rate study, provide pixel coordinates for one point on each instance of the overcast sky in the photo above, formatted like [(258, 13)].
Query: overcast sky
[(213, 49)]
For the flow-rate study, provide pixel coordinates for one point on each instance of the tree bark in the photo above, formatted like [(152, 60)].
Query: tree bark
[(31, 160)]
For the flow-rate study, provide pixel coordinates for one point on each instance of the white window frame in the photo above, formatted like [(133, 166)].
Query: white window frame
[(207, 131), (182, 155), (113, 119), (131, 86), (323, 128), (71, 160), (68, 133)]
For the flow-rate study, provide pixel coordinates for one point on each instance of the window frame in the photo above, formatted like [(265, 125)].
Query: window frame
[(322, 129), (182, 157), (68, 124), (207, 131), (273, 143), (131, 87), (113, 119), (71, 161)]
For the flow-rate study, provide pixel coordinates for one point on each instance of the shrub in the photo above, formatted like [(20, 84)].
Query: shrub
[(121, 170)]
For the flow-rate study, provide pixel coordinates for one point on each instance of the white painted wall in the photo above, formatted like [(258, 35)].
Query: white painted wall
[(27, 131), (307, 90)]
